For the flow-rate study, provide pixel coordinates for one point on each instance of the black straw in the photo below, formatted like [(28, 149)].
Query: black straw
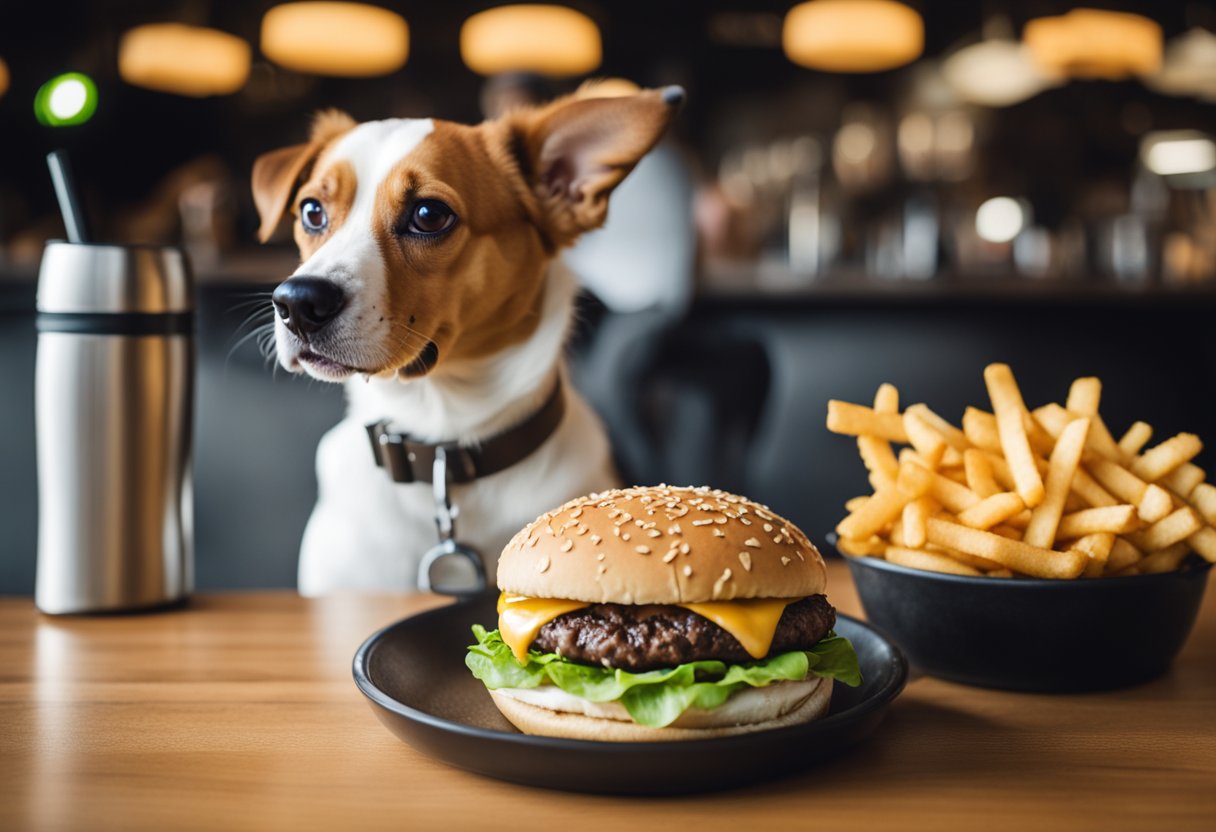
[(69, 201)]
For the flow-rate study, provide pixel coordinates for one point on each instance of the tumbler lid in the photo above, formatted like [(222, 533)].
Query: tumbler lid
[(111, 279)]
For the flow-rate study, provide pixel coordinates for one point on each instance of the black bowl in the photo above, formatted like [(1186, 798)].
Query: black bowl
[(1034, 635), (413, 674)]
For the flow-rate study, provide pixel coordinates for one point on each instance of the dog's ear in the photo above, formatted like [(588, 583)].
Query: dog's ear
[(578, 149), (277, 174)]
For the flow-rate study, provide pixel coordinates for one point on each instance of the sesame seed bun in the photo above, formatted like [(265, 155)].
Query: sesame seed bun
[(661, 545)]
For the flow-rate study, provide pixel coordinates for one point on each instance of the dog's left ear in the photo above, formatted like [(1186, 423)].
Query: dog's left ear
[(277, 174), (579, 149)]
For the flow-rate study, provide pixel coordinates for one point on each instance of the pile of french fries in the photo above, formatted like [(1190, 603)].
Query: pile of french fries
[(1047, 493)]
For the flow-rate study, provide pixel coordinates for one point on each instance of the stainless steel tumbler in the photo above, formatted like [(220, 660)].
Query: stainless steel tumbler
[(114, 403)]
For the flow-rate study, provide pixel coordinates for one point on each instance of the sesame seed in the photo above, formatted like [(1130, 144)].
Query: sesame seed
[(616, 530), (600, 556), (702, 522), (642, 550), (674, 528), (768, 527), (777, 538), (641, 524), (542, 565), (567, 545), (670, 556), (785, 561), (718, 532), (653, 533), (746, 560), (624, 535), (685, 548), (601, 569), (581, 530), (721, 582), (798, 552), (595, 539), (745, 521), (687, 571), (721, 521), (578, 512), (751, 541), (532, 543)]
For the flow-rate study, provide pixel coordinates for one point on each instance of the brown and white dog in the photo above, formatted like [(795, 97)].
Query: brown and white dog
[(429, 283)]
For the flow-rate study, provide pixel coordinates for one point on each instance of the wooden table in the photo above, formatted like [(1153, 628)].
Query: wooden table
[(239, 712)]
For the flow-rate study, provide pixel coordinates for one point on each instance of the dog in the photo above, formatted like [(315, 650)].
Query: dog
[(430, 285)]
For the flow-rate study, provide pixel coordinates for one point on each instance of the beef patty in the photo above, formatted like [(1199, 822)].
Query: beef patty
[(647, 637)]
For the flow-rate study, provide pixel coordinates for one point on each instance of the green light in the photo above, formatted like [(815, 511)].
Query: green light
[(67, 99)]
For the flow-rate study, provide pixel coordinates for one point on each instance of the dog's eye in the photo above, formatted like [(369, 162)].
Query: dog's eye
[(313, 216), (430, 216)]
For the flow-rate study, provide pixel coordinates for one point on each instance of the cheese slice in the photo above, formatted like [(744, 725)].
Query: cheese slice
[(520, 619), (753, 622)]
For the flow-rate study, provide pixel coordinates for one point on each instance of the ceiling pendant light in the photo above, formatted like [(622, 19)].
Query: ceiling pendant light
[(549, 40), (996, 72), (852, 35), (186, 60), (1189, 66), (1092, 43), (347, 40)]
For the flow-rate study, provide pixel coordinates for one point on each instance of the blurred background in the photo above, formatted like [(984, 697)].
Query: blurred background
[(857, 191)]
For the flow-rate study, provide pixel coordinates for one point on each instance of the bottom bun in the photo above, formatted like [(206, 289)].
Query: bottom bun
[(776, 713)]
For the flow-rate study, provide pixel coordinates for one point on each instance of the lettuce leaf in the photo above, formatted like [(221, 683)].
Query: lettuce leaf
[(657, 697)]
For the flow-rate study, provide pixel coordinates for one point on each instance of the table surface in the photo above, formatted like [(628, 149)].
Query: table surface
[(238, 712)]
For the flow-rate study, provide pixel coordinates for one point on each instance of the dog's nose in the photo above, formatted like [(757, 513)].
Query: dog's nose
[(306, 304)]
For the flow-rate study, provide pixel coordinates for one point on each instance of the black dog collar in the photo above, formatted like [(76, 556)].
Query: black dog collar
[(408, 460)]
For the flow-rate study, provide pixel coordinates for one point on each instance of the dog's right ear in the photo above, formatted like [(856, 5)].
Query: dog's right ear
[(277, 174)]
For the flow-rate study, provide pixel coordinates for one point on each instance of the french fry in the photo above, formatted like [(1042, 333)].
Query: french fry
[(876, 453), (956, 497), (919, 559), (1183, 479), (1203, 498), (1122, 555), (855, 503), (1204, 543), (1114, 519), (1001, 573), (858, 420), (916, 514), (1020, 521), (1065, 457), (978, 472), (879, 511), (1152, 501), (1009, 409), (992, 511), (927, 441), (1134, 440), (980, 429), (1097, 547), (871, 547), (1160, 460), (954, 437), (1030, 560), (1054, 419), (974, 561), (1175, 527), (1084, 396), (1164, 560), (915, 480)]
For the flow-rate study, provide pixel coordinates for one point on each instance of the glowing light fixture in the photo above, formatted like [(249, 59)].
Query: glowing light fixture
[(1178, 152), (1090, 43), (4, 77), (65, 100), (549, 40), (1000, 219), (348, 40), (1189, 67), (995, 73), (852, 35), (187, 60)]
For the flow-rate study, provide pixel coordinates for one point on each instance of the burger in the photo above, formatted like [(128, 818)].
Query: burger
[(661, 613)]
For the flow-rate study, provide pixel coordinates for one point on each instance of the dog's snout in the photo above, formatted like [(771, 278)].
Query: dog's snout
[(307, 304)]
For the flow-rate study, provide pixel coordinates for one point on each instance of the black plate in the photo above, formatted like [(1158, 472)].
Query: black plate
[(414, 675)]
